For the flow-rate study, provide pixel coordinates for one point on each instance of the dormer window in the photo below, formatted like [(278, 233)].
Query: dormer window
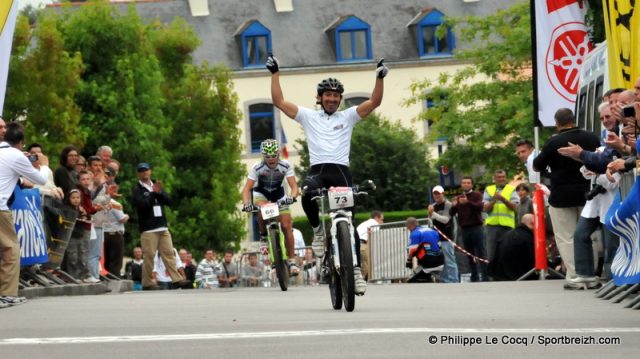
[(255, 41), (351, 39), (425, 29)]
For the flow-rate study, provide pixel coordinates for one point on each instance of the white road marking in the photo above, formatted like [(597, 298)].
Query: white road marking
[(253, 335)]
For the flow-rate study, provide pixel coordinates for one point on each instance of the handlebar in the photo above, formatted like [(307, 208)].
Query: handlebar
[(358, 190), (256, 208)]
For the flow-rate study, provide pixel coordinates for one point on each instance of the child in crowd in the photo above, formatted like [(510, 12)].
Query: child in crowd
[(76, 252), (87, 209)]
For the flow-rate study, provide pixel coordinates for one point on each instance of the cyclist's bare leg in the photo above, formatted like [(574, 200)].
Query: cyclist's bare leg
[(287, 229), (261, 225)]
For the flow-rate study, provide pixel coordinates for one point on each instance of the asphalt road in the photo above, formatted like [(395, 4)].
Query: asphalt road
[(480, 320)]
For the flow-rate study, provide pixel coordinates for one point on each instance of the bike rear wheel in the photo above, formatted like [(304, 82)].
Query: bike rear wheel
[(346, 266), (282, 272)]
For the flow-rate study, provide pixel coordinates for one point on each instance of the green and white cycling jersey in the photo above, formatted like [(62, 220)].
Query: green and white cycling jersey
[(269, 180)]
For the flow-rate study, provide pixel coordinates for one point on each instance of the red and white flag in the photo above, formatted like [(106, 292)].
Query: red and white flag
[(561, 43), (8, 14)]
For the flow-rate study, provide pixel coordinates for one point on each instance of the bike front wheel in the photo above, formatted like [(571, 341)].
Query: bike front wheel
[(335, 287), (282, 272), (346, 266)]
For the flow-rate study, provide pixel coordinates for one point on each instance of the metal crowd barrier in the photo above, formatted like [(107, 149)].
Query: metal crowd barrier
[(388, 250), (268, 279)]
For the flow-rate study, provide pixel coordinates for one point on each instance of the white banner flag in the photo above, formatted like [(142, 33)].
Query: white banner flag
[(561, 43), (8, 14)]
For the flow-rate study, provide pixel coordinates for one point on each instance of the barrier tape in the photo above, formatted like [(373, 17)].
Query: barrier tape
[(475, 258)]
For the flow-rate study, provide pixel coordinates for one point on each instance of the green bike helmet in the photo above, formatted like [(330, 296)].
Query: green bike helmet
[(269, 147)]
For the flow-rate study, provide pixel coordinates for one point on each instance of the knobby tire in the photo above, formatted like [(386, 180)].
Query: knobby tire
[(335, 288), (346, 266), (282, 272)]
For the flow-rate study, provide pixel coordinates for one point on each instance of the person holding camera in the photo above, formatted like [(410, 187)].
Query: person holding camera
[(468, 207), (13, 165), (598, 201), (626, 164), (568, 186)]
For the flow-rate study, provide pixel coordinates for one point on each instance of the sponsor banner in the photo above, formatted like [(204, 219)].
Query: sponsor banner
[(623, 219), (27, 218), (622, 26), (561, 43), (8, 14)]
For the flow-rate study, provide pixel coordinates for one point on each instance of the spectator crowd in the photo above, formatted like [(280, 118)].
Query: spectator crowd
[(580, 173)]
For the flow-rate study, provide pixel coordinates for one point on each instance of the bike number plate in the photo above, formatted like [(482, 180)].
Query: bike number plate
[(269, 210), (340, 197)]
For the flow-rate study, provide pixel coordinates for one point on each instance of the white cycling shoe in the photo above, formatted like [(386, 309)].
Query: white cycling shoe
[(318, 242), (361, 284)]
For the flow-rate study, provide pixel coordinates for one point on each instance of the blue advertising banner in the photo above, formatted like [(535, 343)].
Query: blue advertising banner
[(27, 217), (623, 219)]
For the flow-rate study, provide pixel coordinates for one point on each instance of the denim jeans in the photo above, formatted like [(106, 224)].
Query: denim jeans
[(95, 253), (611, 243), (450, 271), (583, 247), (473, 239)]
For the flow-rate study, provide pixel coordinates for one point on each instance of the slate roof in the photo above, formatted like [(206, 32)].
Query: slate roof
[(298, 37)]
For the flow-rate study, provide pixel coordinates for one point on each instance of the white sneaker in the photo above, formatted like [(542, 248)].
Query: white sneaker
[(91, 280), (318, 242), (583, 279), (361, 284), (10, 301)]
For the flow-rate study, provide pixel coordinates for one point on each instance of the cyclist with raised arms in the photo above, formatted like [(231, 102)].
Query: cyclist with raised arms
[(328, 133), (265, 181)]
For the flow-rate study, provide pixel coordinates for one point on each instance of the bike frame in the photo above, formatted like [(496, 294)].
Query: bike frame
[(274, 223)]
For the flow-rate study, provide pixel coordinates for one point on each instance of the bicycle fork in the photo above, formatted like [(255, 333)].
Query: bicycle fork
[(337, 217), (280, 240)]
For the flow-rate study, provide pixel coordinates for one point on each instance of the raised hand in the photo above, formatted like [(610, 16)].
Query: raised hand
[(272, 64), (381, 70)]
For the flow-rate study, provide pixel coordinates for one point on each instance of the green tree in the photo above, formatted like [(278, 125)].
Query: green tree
[(43, 80), (207, 156), (206, 152), (484, 108), (390, 155), (595, 21), (121, 97), (120, 93)]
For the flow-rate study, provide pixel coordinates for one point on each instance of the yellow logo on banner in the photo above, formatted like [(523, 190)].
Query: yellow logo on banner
[(622, 25), (5, 6)]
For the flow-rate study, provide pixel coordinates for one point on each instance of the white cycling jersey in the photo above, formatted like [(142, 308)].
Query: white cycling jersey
[(328, 136)]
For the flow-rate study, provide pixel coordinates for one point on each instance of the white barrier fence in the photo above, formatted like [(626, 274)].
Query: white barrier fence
[(388, 251)]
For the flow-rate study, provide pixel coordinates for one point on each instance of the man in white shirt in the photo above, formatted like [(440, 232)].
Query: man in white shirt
[(13, 164), (328, 133), (298, 240), (160, 273), (526, 153), (363, 230), (208, 270)]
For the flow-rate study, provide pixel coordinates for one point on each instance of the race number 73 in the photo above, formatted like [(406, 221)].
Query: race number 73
[(340, 197)]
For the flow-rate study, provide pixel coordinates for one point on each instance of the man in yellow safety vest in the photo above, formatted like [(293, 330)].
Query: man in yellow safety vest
[(500, 202)]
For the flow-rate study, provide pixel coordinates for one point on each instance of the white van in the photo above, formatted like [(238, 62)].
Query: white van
[(594, 81)]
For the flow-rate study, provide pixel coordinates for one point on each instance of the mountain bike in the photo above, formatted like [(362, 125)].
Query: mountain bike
[(277, 249), (340, 245)]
